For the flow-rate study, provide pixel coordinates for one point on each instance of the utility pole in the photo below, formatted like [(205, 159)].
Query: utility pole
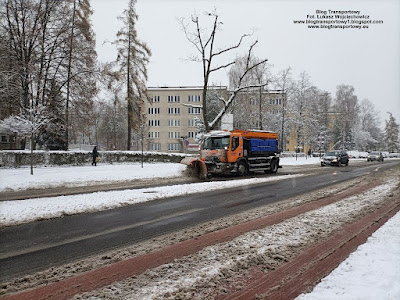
[(283, 120)]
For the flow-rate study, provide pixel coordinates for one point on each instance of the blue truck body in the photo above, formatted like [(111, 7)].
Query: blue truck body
[(263, 145)]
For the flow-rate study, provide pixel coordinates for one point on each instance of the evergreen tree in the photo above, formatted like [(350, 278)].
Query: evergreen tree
[(132, 60), (392, 135)]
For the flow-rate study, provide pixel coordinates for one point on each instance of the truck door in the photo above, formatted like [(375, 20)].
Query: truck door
[(236, 148)]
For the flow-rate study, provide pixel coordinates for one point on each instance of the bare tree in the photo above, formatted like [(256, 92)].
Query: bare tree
[(204, 43), (318, 117), (50, 57), (299, 108), (27, 125), (283, 81), (347, 107), (259, 75), (368, 134)]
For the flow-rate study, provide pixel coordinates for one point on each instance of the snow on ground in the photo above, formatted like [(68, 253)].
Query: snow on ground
[(44, 177), (15, 212), (188, 274), (371, 272)]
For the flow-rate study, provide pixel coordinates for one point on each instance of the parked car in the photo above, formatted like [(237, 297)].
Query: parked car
[(335, 158), (318, 154), (375, 156)]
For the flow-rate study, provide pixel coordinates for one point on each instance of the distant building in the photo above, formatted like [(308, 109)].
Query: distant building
[(170, 117), (11, 142), (319, 143)]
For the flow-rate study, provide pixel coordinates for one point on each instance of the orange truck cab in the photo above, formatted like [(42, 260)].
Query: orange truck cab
[(240, 152)]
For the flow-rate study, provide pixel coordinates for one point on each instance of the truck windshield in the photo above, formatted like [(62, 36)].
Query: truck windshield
[(214, 143)]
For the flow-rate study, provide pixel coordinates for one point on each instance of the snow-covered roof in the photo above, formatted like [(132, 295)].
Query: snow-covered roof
[(217, 133)]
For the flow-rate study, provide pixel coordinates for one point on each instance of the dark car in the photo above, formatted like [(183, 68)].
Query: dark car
[(375, 156), (335, 158)]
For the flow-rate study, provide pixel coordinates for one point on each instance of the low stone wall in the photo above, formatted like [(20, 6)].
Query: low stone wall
[(15, 159)]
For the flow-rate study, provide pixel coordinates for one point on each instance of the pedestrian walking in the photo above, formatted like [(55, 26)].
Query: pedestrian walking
[(95, 155)]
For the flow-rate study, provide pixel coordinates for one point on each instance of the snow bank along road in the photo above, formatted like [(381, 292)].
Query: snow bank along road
[(279, 231)]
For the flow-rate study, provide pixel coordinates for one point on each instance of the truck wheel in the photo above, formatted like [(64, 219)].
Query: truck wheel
[(274, 166), (242, 169)]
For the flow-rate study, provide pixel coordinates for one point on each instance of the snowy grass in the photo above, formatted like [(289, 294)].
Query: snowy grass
[(46, 177)]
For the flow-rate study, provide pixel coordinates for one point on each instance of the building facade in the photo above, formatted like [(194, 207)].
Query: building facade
[(171, 114), (170, 117)]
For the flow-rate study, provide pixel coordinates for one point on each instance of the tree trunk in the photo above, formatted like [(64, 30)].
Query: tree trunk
[(129, 93)]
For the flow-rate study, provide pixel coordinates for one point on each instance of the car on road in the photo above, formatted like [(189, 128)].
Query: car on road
[(318, 154), (375, 156), (335, 158)]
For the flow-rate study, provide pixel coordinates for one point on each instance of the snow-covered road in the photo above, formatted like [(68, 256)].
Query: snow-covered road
[(372, 272)]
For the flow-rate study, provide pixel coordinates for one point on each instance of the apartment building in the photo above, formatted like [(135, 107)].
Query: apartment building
[(171, 114)]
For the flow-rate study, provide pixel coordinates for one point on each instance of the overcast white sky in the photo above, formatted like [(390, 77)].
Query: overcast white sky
[(368, 59)]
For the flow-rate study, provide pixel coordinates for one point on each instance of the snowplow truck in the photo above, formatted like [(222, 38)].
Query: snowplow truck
[(236, 152)]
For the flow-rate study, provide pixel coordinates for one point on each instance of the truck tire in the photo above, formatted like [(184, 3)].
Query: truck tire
[(242, 168), (274, 166)]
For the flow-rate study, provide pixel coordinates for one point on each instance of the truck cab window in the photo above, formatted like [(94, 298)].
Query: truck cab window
[(235, 142), (215, 143)]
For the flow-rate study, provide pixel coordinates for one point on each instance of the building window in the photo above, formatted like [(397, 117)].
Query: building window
[(194, 98), (154, 110), (174, 123), (154, 134), (174, 99), (192, 123), (194, 110), (155, 99), (155, 146), (174, 147), (154, 123), (192, 134), (174, 135), (174, 110), (4, 139), (276, 101)]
